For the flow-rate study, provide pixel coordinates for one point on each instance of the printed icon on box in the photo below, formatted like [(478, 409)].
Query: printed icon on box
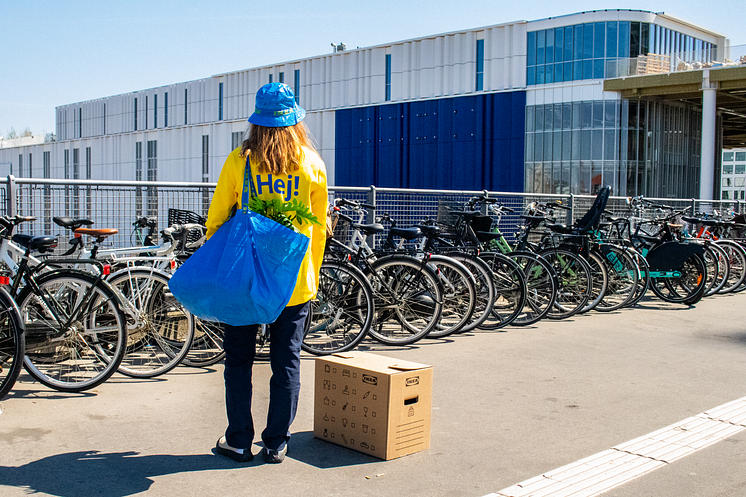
[(352, 441), (327, 385), (373, 431), (415, 380), (373, 414), (326, 433), (327, 368), (333, 420), (354, 375), (326, 401), (354, 392), (326, 417), (334, 402), (346, 391), (352, 425), (364, 445), (344, 439), (366, 394), (365, 412), (332, 434), (370, 379), (346, 372), (365, 428), (410, 413), (344, 422), (375, 397), (373, 448), (345, 406), (334, 370)]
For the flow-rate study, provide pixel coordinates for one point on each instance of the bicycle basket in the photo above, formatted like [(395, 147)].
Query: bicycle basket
[(180, 216)]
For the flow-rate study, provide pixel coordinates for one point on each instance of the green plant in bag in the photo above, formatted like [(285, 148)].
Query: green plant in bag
[(284, 212)]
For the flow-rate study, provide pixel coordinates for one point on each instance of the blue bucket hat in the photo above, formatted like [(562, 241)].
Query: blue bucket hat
[(275, 107)]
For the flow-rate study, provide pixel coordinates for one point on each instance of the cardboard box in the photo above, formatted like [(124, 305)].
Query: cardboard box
[(373, 404)]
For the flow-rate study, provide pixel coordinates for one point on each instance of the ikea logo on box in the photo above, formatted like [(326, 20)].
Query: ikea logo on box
[(415, 380)]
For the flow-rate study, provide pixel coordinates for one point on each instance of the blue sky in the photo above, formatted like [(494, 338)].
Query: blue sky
[(65, 51)]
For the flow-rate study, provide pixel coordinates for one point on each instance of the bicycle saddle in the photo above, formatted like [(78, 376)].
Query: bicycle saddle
[(562, 228), (43, 243), (370, 229), (70, 223), (406, 233)]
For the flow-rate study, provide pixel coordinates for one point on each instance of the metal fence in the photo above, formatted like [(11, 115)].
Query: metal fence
[(117, 204)]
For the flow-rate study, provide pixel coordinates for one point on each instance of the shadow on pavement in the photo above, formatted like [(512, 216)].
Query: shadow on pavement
[(305, 448), (118, 474)]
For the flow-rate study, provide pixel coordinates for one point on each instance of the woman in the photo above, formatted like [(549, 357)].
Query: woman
[(283, 165)]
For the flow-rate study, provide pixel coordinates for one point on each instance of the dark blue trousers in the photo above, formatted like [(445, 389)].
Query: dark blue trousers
[(286, 336)]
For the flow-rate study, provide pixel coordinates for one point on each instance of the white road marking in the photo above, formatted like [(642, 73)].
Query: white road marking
[(601, 472)]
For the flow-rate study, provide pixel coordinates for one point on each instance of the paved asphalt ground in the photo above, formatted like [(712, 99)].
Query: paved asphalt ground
[(507, 406)]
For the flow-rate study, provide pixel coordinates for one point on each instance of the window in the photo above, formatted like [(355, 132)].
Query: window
[(186, 106), (727, 156), (80, 122), (88, 163), (146, 112), (104, 119), (236, 139), (725, 195), (739, 182), (388, 77), (220, 102), (740, 156), (135, 113), (152, 176), (46, 165), (727, 182), (165, 110), (205, 157), (727, 168), (30, 175), (138, 177), (205, 172), (20, 165), (270, 77), (480, 65), (740, 168), (296, 87), (155, 111), (281, 77)]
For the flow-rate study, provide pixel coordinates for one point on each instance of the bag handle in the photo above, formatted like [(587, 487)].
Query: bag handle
[(248, 182)]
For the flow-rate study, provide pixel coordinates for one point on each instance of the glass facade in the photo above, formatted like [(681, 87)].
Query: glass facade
[(640, 147), (597, 50), (733, 179)]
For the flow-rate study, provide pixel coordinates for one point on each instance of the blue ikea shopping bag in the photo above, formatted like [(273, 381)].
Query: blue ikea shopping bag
[(245, 273)]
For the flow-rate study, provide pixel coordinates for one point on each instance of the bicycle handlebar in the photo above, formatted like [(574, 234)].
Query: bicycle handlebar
[(354, 204)]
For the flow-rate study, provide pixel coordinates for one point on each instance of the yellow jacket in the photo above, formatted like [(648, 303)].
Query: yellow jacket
[(308, 185)]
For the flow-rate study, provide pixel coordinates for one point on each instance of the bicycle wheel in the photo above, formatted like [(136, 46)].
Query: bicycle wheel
[(459, 295), (76, 332), (510, 290), (643, 279), (623, 273), (12, 342), (485, 289), (718, 268), (207, 344), (687, 288), (408, 299), (736, 263), (160, 329), (575, 282), (342, 312), (600, 281), (541, 287)]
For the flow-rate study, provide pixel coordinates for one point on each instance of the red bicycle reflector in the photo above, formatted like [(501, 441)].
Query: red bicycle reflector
[(173, 264), (4, 280), (107, 269)]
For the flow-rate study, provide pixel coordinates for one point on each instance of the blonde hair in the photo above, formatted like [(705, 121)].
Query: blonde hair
[(277, 150)]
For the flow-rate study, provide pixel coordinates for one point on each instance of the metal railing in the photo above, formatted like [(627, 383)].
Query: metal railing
[(117, 204)]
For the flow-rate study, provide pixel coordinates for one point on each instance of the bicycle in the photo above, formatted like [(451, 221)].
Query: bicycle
[(12, 340), (75, 328)]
